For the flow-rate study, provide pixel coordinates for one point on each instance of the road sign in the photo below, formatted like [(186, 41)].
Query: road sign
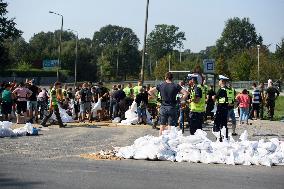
[(49, 64), (209, 66)]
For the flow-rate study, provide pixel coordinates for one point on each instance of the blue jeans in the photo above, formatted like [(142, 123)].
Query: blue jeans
[(231, 114), (141, 112), (244, 114)]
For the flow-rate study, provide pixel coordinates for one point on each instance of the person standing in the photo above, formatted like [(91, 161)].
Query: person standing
[(197, 104), (42, 100), (270, 97), (168, 110), (244, 103), (142, 102), (22, 94), (222, 108), (210, 101), (183, 107), (152, 108), (120, 106), (7, 102), (85, 102), (32, 102), (231, 94), (103, 93), (128, 91), (261, 87), (137, 88), (256, 99), (53, 107)]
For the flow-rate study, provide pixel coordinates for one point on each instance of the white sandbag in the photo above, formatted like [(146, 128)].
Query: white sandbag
[(116, 120), (64, 116), (95, 107), (5, 129)]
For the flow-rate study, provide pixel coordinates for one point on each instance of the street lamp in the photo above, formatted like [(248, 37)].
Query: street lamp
[(258, 47), (76, 57), (60, 40), (144, 46)]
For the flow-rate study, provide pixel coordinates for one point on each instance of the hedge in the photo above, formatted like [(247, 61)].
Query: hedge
[(33, 73)]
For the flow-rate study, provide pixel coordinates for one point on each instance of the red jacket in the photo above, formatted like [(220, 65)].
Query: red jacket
[(244, 100)]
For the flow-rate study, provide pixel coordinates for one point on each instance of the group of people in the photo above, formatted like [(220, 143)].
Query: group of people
[(168, 104), (196, 102)]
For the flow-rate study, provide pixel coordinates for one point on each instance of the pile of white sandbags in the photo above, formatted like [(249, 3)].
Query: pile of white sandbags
[(6, 131), (173, 146)]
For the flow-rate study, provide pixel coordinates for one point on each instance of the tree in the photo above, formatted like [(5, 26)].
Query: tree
[(115, 44), (163, 39), (238, 35), (8, 30), (222, 66), (7, 26)]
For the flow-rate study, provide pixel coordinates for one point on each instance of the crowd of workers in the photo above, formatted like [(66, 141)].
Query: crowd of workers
[(169, 104)]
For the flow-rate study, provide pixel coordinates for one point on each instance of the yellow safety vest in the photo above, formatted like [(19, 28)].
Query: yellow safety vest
[(204, 94), (200, 106), (136, 90), (230, 95), (127, 91), (223, 99)]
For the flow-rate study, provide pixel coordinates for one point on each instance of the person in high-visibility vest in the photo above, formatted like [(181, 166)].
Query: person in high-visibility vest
[(231, 94), (197, 104), (54, 103), (128, 90), (222, 108), (137, 88)]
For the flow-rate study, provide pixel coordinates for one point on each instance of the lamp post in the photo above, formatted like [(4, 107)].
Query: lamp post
[(76, 57), (144, 46), (60, 40), (258, 47)]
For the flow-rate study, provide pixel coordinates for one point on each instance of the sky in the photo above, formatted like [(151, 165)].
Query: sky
[(202, 20)]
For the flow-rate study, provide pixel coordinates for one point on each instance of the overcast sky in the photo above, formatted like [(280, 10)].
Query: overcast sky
[(201, 20)]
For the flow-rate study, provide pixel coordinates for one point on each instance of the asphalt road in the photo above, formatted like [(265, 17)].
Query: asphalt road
[(52, 160)]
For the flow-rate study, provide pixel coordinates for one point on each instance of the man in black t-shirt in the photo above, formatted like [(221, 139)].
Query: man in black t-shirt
[(85, 102), (103, 93), (32, 104), (168, 111), (210, 101)]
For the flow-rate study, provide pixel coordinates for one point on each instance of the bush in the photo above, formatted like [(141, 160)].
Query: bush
[(34, 73)]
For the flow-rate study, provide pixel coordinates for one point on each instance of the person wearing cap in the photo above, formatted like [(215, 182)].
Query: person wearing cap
[(222, 107), (168, 110), (53, 107), (231, 94), (197, 104)]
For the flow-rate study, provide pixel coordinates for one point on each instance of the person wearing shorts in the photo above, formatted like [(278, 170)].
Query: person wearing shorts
[(32, 104), (22, 94), (168, 111), (7, 102), (85, 102)]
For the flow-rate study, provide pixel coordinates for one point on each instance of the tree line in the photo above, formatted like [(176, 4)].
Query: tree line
[(113, 53)]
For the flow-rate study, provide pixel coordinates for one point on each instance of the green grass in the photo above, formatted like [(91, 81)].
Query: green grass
[(279, 108)]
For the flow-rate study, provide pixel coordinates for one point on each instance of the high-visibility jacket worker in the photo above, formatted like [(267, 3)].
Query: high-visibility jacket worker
[(222, 107), (129, 91), (53, 107), (231, 94), (196, 105), (137, 88)]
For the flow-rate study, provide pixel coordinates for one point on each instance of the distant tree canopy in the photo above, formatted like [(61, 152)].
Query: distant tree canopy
[(163, 39), (113, 54), (8, 30), (238, 35)]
